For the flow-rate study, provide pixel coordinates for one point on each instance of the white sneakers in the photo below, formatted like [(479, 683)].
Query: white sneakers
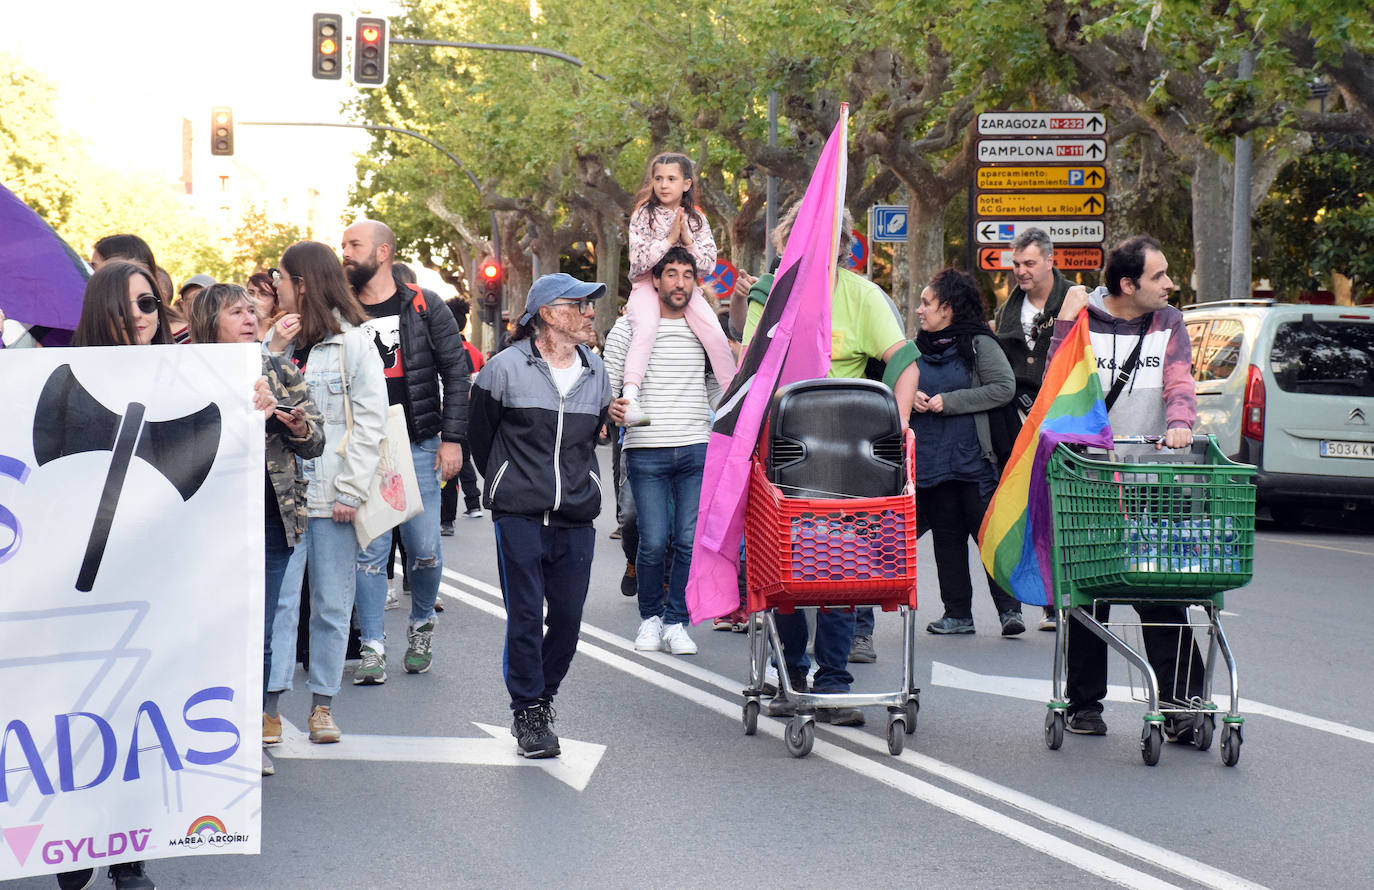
[(676, 641), (650, 636), (655, 636)]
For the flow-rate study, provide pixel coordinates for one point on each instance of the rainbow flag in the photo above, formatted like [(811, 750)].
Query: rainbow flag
[(792, 342), (1014, 540)]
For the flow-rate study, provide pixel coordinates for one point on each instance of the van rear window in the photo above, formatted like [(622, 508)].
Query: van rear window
[(1324, 357)]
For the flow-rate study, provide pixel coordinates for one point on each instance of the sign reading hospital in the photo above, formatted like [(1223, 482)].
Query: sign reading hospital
[(132, 677)]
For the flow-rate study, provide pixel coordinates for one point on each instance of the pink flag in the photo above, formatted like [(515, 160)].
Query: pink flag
[(792, 342)]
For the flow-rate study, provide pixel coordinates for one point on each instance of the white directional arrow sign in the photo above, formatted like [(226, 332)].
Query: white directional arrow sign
[(573, 767), (1039, 690)]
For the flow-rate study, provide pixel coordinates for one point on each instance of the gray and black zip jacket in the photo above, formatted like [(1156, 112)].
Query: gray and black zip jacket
[(536, 448)]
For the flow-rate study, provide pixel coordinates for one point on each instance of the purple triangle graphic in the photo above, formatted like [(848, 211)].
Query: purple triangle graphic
[(21, 840)]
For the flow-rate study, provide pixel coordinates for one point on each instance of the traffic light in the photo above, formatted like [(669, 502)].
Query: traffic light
[(369, 51), (489, 271), (325, 36), (221, 130)]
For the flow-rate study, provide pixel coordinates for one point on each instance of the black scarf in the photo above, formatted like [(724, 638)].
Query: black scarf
[(960, 333)]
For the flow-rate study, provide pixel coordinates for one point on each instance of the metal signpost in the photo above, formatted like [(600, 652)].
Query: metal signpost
[(1040, 169)]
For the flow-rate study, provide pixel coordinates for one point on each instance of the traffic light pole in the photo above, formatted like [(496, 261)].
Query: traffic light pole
[(498, 47), (495, 231)]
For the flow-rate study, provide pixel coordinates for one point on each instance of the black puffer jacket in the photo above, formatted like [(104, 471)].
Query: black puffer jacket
[(433, 350)]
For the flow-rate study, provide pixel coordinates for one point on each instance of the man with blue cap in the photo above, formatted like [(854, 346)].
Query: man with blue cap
[(534, 414)]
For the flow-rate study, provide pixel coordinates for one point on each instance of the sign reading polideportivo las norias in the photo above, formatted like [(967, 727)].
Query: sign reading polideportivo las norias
[(131, 604), (1040, 169)]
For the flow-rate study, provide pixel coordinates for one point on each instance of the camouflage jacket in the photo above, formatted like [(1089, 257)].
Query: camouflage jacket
[(283, 469)]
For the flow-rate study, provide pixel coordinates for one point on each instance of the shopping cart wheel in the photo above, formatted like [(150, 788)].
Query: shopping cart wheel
[(1202, 733), (912, 708), (1151, 743), (1054, 729), (896, 735), (800, 736), (751, 717), (1230, 744)]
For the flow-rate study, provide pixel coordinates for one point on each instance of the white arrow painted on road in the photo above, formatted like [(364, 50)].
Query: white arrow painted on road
[(1039, 690), (573, 767)]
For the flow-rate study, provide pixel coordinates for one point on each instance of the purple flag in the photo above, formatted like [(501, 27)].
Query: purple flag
[(44, 279), (792, 342)]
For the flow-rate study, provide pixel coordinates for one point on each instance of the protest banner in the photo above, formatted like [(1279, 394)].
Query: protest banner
[(131, 605)]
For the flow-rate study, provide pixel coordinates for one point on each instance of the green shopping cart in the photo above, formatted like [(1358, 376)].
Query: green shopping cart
[(1152, 530)]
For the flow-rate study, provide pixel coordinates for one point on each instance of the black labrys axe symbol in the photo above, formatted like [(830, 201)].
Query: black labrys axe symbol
[(70, 420)]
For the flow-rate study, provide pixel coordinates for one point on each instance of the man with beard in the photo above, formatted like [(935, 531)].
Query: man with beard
[(420, 345), (664, 461)]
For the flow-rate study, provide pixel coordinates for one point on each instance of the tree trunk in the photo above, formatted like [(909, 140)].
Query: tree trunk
[(1211, 192), (925, 251), (608, 251)]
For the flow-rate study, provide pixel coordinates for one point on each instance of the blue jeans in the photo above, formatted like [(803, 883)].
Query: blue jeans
[(666, 483), (329, 550), (420, 537), (541, 565), (834, 636), (277, 555)]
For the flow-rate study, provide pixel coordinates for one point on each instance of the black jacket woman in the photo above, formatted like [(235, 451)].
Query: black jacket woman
[(964, 374)]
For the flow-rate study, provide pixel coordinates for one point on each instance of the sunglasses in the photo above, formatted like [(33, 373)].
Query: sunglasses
[(148, 304), (580, 305)]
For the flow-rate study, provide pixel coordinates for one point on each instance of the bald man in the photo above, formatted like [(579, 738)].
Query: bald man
[(421, 346)]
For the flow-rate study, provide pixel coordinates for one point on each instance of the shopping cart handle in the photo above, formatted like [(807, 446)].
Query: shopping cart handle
[(1151, 440)]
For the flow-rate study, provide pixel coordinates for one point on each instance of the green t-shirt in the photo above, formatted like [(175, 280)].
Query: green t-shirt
[(862, 324)]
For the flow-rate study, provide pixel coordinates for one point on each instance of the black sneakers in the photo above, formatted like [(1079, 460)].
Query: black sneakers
[(1087, 722), (533, 731), (131, 876)]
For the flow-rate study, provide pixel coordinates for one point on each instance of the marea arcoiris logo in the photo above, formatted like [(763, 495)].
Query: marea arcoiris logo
[(207, 830)]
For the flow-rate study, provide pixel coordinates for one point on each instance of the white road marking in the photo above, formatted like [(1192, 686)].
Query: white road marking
[(1294, 543), (1039, 690), (1006, 826), (574, 767)]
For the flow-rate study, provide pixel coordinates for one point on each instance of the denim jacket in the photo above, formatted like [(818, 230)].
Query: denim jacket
[(345, 477)]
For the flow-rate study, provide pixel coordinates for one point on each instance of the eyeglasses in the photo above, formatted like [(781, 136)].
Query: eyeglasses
[(580, 306), (147, 304), (276, 276)]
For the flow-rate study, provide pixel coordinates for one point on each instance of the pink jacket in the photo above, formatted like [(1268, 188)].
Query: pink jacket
[(649, 229)]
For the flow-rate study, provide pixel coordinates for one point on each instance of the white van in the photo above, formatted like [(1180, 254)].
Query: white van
[(1290, 388)]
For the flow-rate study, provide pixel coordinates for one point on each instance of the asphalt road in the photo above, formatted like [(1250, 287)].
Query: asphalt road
[(679, 795)]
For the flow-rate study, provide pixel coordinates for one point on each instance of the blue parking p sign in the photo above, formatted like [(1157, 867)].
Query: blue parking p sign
[(889, 223)]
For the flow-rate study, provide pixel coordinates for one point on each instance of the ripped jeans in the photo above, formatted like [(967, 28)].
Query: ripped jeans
[(420, 536)]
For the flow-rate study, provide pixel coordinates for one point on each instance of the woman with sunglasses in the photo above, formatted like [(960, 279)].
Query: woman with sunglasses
[(122, 307), (263, 293), (224, 313), (344, 374)]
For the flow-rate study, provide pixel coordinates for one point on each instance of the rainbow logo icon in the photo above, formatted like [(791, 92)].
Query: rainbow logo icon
[(206, 825)]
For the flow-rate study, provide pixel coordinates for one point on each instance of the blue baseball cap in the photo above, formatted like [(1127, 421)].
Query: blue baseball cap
[(559, 286)]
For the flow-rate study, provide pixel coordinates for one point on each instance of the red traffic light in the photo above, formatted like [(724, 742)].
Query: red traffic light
[(369, 51), (491, 271)]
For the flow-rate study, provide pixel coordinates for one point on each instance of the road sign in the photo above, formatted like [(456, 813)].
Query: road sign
[(992, 151), (1041, 123), (1039, 204), (722, 279), (1066, 259), (1020, 178), (889, 223), (1061, 231)]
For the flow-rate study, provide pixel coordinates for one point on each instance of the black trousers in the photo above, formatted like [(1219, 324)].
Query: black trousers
[(955, 511), (448, 495), (1087, 657)]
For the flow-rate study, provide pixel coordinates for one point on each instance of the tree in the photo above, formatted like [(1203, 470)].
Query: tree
[(37, 155), (1319, 219), (259, 242)]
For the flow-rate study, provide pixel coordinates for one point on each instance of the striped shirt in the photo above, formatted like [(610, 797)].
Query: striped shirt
[(677, 393)]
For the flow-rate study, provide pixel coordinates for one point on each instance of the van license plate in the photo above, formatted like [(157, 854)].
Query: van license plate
[(1333, 448)]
